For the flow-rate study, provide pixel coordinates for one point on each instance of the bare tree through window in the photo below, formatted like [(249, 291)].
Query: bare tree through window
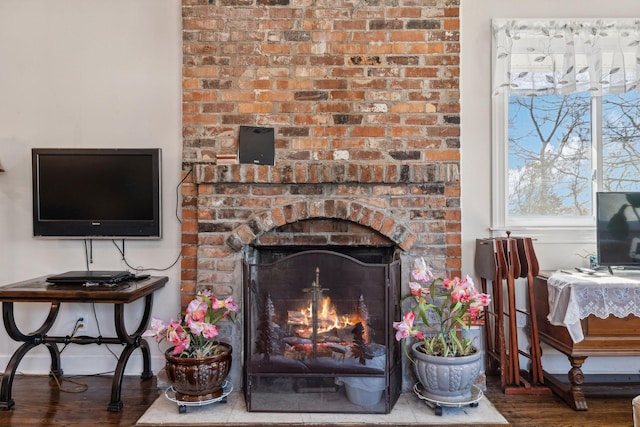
[(551, 151)]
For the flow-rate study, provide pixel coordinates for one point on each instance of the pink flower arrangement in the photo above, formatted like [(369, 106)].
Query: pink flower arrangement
[(454, 302), (193, 336)]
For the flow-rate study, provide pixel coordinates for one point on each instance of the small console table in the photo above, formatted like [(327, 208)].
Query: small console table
[(39, 290), (567, 323)]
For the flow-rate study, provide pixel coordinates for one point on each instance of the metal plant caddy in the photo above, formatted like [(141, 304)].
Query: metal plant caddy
[(170, 393), (439, 405)]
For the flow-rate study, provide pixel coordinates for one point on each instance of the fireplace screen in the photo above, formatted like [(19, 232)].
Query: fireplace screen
[(318, 334)]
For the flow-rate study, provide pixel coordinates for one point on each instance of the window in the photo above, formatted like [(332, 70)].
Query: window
[(566, 119), (621, 142)]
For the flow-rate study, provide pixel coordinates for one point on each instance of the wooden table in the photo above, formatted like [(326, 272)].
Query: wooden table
[(39, 290), (612, 336)]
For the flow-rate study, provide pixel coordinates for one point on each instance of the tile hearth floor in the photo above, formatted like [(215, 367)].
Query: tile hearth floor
[(409, 410)]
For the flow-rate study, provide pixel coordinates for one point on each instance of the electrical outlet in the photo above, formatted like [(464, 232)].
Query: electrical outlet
[(82, 324)]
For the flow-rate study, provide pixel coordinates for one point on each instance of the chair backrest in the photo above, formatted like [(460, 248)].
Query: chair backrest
[(485, 260), (502, 255)]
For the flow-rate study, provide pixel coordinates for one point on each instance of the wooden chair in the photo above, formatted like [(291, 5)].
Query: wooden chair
[(486, 266)]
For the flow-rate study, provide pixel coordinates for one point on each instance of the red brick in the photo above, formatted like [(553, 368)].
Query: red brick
[(352, 98)]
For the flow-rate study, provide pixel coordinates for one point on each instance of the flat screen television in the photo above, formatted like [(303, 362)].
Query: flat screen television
[(109, 193), (618, 229)]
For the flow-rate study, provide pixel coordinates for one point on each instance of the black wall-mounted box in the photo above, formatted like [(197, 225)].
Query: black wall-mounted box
[(256, 145)]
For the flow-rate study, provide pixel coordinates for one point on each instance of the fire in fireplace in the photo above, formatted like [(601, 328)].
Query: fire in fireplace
[(318, 334)]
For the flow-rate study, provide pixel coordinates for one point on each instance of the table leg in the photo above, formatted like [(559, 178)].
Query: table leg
[(132, 342), (571, 393), (6, 401), (30, 341)]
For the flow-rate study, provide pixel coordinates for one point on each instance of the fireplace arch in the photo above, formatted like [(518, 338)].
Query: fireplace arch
[(342, 209)]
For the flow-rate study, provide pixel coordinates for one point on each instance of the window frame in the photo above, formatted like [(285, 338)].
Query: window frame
[(556, 229), (552, 229)]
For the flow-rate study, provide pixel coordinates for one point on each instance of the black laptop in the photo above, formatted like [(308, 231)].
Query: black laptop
[(81, 277)]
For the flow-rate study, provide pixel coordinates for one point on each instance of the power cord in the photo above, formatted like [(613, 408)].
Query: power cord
[(95, 317), (76, 328), (88, 243), (80, 387), (122, 249)]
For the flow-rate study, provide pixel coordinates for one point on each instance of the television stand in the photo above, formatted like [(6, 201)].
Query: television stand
[(38, 290)]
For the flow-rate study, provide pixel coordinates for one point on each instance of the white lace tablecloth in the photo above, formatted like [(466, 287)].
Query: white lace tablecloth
[(575, 296)]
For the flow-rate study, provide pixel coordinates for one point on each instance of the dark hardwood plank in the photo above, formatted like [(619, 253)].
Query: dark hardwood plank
[(533, 410), (39, 401)]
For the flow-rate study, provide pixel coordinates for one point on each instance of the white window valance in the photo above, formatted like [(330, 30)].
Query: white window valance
[(543, 57)]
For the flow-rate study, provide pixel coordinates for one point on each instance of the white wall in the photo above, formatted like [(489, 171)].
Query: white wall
[(86, 73), (552, 252)]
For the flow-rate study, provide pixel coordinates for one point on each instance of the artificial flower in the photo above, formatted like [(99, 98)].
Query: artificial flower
[(452, 303), (193, 335)]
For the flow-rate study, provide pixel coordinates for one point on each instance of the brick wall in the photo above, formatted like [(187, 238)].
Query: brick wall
[(365, 106)]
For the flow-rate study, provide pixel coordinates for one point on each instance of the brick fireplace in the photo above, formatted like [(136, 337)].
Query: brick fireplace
[(364, 100)]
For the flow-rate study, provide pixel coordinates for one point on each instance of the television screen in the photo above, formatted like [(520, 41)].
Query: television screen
[(618, 228), (96, 193)]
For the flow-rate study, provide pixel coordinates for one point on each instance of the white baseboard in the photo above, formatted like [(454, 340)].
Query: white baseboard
[(77, 364)]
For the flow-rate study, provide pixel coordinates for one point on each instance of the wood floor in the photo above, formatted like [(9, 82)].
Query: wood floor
[(39, 401)]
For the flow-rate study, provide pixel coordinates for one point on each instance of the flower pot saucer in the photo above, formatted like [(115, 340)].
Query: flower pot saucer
[(170, 394), (438, 405)]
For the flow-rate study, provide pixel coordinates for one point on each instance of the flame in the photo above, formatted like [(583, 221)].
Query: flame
[(328, 318)]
